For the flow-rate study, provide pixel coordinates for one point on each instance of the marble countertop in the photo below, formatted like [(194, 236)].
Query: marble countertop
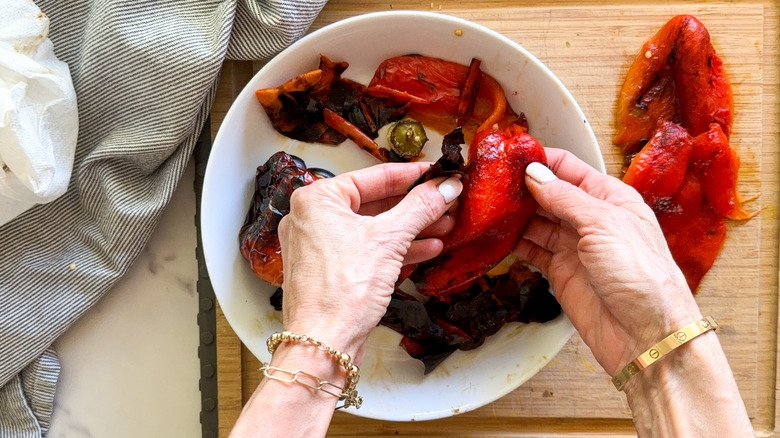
[(130, 366)]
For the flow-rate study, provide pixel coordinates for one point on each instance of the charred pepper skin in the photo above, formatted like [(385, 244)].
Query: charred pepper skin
[(435, 329), (258, 239), (320, 106)]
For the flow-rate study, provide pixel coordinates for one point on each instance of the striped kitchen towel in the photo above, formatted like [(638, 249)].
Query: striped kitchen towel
[(145, 75)]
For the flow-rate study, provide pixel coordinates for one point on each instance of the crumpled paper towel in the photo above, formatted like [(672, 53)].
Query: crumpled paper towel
[(38, 115)]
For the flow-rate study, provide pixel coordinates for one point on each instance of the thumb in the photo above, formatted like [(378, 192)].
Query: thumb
[(424, 205), (561, 198)]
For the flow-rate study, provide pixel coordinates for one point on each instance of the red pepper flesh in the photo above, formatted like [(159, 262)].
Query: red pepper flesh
[(494, 209), (678, 77)]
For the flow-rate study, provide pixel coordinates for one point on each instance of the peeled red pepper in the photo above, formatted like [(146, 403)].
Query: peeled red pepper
[(675, 115), (495, 206), (657, 172), (694, 231), (716, 163), (677, 76)]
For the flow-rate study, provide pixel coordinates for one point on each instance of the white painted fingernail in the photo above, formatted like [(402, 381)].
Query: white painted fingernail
[(540, 173), (450, 189)]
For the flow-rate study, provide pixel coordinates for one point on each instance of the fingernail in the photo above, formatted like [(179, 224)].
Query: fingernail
[(540, 173), (450, 189)]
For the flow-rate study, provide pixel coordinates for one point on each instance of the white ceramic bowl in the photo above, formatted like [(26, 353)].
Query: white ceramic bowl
[(392, 383)]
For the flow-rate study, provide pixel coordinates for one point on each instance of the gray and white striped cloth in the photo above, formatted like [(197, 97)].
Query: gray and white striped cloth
[(145, 75)]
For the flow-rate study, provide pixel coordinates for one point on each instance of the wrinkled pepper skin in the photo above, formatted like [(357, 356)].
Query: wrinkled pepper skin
[(677, 77), (494, 209), (434, 329), (259, 243), (299, 108)]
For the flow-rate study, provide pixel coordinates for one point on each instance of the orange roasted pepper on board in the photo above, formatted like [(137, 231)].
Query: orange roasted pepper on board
[(675, 114)]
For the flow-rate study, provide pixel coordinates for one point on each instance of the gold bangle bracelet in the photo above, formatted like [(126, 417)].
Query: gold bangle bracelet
[(663, 348)]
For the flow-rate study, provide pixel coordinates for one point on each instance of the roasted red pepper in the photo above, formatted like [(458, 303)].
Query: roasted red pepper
[(678, 101), (465, 304), (690, 184), (493, 210), (678, 77), (694, 231), (433, 88), (658, 170), (716, 164), (258, 239)]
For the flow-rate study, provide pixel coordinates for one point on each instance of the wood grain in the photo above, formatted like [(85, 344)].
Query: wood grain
[(589, 45)]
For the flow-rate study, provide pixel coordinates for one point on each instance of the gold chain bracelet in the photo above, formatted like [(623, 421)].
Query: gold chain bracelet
[(348, 394), (663, 348)]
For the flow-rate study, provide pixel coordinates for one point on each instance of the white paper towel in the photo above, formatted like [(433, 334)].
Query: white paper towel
[(38, 115)]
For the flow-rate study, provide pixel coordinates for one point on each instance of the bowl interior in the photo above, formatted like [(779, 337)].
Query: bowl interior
[(392, 383)]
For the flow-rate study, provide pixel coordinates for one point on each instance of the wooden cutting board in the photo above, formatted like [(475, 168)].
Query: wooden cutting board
[(589, 45)]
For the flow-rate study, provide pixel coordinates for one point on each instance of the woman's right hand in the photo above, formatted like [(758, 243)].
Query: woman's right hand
[(606, 258)]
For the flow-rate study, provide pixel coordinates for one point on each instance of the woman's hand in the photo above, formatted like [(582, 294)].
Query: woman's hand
[(343, 244), (606, 258), (345, 241)]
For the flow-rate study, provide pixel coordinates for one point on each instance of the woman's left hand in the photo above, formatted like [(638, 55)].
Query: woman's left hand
[(345, 241)]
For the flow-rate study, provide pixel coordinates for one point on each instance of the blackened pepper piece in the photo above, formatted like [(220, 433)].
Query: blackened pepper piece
[(258, 240), (464, 320)]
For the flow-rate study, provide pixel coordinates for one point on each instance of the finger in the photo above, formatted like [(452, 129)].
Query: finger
[(550, 235), (534, 254), (423, 206), (566, 201), (547, 215), (376, 207), (570, 168), (423, 250), (453, 207), (384, 180), (442, 226)]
